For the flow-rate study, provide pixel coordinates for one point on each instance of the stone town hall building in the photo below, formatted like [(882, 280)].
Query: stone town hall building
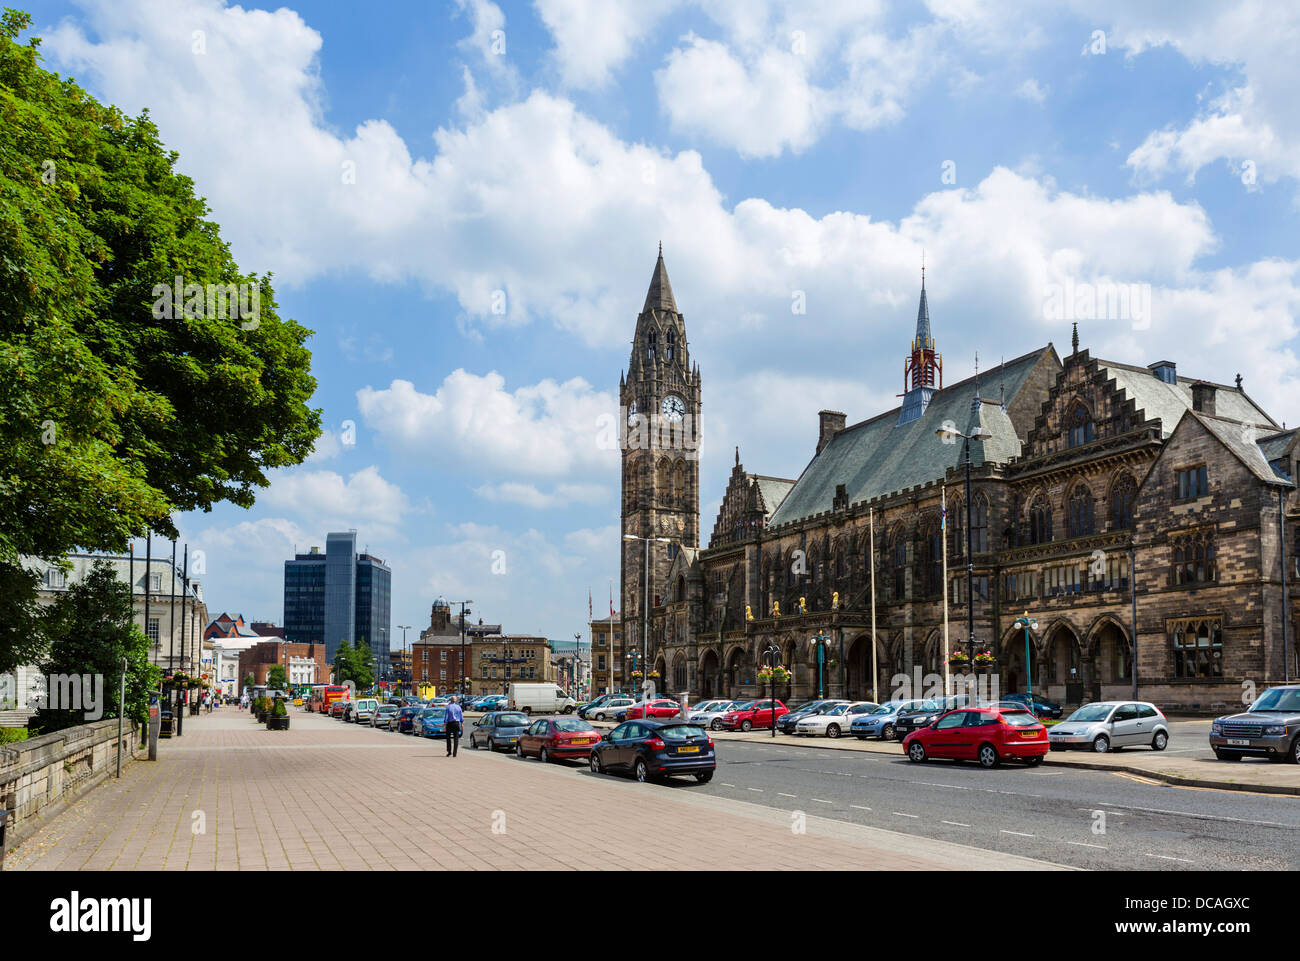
[(1092, 470)]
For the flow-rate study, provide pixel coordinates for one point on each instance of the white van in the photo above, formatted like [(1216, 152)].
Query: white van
[(540, 699), (363, 710)]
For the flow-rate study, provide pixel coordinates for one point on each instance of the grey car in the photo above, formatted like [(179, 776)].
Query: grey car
[(1110, 726), (1271, 728), (499, 730), (881, 722), (384, 716)]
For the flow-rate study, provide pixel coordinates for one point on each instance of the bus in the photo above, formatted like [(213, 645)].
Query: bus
[(323, 695)]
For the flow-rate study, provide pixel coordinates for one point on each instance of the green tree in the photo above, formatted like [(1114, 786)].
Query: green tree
[(276, 678), (115, 413), (249, 680), (91, 630), (353, 664)]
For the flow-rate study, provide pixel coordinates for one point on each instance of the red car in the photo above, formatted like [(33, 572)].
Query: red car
[(663, 707), (339, 708), (985, 734), (557, 737), (760, 713)]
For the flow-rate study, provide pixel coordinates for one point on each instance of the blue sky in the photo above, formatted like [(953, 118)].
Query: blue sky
[(541, 150)]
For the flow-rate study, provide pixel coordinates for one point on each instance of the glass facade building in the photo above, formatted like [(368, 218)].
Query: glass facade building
[(335, 595)]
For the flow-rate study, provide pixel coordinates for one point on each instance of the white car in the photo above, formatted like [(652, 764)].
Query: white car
[(611, 707), (834, 722), (709, 712)]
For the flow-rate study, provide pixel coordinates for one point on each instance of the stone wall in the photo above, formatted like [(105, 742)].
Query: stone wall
[(41, 776)]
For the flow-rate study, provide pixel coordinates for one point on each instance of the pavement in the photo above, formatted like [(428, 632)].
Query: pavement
[(230, 795), (1187, 761)]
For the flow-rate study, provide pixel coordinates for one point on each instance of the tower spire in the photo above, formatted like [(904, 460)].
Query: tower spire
[(923, 368)]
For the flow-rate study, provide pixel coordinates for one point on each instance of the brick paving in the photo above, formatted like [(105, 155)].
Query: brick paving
[(230, 795)]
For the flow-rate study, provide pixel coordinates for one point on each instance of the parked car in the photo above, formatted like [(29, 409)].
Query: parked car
[(786, 724), (339, 708), (707, 712), (1110, 726), (880, 722), (836, 720), (650, 749), (384, 716), (919, 715), (405, 721), (593, 703), (430, 722), (498, 730), (607, 710), (761, 713), (1040, 706), (985, 734), (553, 738), (361, 710), (661, 707), (1270, 728), (534, 698)]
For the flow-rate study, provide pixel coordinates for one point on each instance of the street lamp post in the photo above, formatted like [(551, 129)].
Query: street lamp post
[(461, 672), (1029, 624), (397, 675), (979, 433), (820, 640), (645, 627), (772, 653)]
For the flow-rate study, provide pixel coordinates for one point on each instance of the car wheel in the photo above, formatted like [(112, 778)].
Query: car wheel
[(544, 756), (916, 752), (1160, 741), (1033, 761), (600, 717), (1227, 755), (715, 726), (704, 777), (988, 756), (527, 710), (887, 732), (519, 750), (746, 725), (594, 762), (569, 709), (641, 771), (1102, 744)]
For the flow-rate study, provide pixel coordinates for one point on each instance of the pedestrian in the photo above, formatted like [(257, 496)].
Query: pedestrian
[(454, 719)]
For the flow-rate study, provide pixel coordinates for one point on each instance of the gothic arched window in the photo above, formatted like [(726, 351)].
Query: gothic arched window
[(654, 346), (1040, 521), (933, 559), (979, 524), (1082, 427), (672, 344), (1080, 520), (1122, 496), (898, 553)]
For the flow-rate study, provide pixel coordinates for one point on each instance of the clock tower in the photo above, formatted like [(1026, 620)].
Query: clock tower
[(660, 398)]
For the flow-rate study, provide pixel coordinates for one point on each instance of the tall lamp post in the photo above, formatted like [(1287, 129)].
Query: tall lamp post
[(1029, 624), (820, 640), (463, 611), (645, 627), (577, 661), (772, 653), (399, 674), (950, 434)]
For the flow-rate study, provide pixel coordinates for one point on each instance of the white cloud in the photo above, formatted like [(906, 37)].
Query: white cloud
[(528, 495), (331, 502), (593, 39), (1031, 91), (547, 429)]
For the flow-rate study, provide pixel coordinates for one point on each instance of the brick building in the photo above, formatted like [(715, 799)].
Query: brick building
[(499, 659), (304, 663), (608, 673), (1084, 472)]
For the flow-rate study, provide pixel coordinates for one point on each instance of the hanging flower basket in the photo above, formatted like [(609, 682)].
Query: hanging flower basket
[(985, 659), (780, 674), (958, 659), (636, 675)]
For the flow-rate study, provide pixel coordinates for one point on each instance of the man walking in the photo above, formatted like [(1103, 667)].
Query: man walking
[(454, 719)]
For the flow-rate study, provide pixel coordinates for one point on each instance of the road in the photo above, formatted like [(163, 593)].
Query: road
[(1046, 813)]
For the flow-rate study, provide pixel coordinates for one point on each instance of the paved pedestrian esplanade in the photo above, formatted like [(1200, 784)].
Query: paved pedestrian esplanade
[(325, 795)]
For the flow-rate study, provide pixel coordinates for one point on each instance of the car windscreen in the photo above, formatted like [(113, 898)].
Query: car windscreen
[(837, 711), (511, 720), (1092, 712), (680, 732), (435, 712), (1019, 718), (572, 724), (1278, 699)]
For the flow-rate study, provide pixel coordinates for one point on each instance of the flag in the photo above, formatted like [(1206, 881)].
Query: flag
[(591, 615), (611, 598)]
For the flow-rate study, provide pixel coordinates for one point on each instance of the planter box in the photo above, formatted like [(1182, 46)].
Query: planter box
[(274, 723)]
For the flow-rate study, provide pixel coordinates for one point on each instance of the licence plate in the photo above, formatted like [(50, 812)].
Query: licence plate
[(581, 740), (1029, 734), (688, 750), (1240, 741)]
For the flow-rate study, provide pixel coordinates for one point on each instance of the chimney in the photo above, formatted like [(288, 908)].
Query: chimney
[(829, 421), (1203, 397), (1164, 370)]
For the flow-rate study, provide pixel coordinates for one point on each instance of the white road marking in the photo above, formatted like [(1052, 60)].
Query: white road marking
[(956, 824), (1165, 857), (1080, 844), (725, 784), (955, 787), (902, 815), (758, 790), (783, 794), (820, 801), (1017, 833), (859, 807)]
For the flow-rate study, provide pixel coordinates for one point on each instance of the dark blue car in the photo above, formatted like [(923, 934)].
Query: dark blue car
[(1039, 706), (651, 750), (405, 720)]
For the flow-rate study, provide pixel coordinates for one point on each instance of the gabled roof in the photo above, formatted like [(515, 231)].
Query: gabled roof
[(880, 456), (1168, 401), (1240, 439), (773, 491)]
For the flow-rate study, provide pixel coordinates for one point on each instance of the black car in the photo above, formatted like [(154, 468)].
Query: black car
[(787, 722), (1040, 706), (652, 750), (919, 717), (499, 730), (405, 720)]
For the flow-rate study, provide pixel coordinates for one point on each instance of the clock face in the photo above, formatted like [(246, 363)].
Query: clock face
[(672, 408)]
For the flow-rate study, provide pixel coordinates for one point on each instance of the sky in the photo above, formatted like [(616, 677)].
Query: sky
[(464, 201)]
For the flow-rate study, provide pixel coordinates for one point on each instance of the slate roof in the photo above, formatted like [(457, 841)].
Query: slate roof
[(1243, 445), (880, 456), (660, 295), (1274, 448), (773, 490), (1169, 401)]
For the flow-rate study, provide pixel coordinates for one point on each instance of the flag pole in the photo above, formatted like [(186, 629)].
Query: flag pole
[(943, 525), (875, 671)]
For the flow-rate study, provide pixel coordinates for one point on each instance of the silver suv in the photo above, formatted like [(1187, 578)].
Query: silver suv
[(1270, 728)]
